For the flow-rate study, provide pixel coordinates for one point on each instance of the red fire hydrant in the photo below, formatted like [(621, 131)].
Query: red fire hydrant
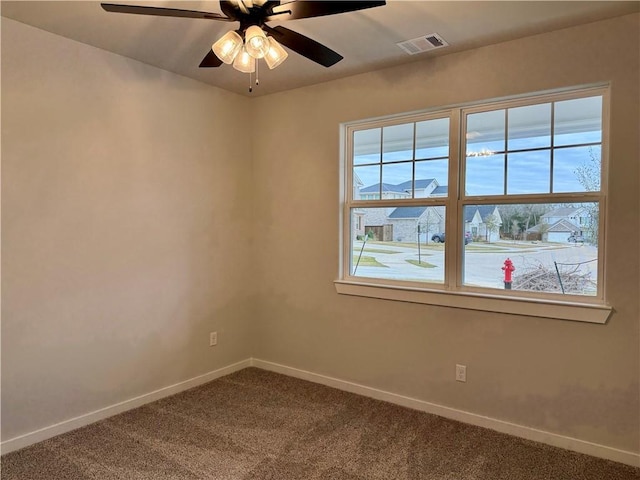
[(508, 268)]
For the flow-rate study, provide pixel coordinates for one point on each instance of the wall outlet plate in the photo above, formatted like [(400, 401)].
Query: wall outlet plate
[(213, 339), (461, 373)]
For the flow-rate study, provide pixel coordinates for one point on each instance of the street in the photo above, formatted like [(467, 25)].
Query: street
[(482, 262)]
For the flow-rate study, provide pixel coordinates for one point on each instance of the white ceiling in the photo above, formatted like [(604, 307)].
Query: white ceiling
[(367, 39)]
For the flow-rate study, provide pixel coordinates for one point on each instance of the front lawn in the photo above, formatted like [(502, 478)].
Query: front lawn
[(366, 261), (421, 264)]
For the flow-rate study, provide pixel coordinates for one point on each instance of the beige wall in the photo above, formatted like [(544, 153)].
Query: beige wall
[(124, 215), (126, 228), (574, 379)]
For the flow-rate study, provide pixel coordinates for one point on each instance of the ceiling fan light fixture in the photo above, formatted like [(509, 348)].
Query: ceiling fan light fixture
[(244, 62), (256, 42), (276, 54), (227, 47), (243, 47)]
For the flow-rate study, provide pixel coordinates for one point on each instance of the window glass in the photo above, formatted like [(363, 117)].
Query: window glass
[(396, 179), (485, 133), (577, 169), (384, 167), (432, 139), (529, 172), (366, 146), (431, 178), (398, 243), (485, 175), (529, 127), (578, 121), (553, 247), (366, 182), (397, 142)]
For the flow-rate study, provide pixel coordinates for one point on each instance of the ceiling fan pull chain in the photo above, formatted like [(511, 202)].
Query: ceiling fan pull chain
[(257, 80), (250, 83)]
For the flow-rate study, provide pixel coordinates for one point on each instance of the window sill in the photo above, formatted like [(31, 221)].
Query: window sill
[(579, 312)]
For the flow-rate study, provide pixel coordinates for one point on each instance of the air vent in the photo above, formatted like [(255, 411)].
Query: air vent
[(423, 44)]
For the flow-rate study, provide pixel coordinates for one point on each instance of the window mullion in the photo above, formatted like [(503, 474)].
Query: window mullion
[(552, 145), (453, 250), (380, 159), (506, 150)]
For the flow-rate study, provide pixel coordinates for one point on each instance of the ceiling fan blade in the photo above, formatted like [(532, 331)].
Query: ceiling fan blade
[(304, 46), (163, 12), (307, 9), (210, 60)]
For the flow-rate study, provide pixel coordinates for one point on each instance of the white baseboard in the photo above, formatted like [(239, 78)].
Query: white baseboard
[(568, 443), (53, 430)]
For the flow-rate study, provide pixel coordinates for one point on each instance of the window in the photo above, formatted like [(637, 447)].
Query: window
[(502, 200)]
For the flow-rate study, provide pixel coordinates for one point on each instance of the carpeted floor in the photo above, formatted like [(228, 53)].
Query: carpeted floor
[(260, 425)]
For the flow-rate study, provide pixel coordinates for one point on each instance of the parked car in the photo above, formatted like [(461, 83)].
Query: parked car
[(439, 237), (575, 238)]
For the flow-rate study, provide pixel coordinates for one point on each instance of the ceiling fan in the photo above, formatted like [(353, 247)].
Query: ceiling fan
[(254, 39)]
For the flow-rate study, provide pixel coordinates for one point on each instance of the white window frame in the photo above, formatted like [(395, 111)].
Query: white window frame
[(452, 292)]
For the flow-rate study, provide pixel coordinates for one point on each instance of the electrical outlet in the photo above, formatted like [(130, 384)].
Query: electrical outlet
[(213, 339), (461, 373)]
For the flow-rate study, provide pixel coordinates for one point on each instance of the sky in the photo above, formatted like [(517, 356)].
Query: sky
[(527, 172), (578, 133)]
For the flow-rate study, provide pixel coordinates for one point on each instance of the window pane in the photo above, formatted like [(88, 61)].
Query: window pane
[(485, 175), (429, 171), (397, 180), (551, 246), (366, 183), (396, 243), (485, 133), (576, 169), (578, 121), (397, 142), (530, 127), (432, 138), (529, 172), (366, 146)]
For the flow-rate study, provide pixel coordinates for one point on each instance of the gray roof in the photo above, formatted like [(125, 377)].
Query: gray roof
[(407, 212), (561, 212), (403, 187), (469, 212), (561, 225), (564, 226), (485, 211), (386, 187), (423, 183), (441, 190)]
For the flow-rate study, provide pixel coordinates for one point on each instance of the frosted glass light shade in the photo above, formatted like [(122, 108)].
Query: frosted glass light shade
[(276, 54), (244, 62), (227, 47), (256, 42)]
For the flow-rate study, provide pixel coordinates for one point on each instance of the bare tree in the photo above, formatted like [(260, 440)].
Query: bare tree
[(492, 225), (588, 174), (431, 222), (510, 214), (515, 228), (531, 214), (543, 228)]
